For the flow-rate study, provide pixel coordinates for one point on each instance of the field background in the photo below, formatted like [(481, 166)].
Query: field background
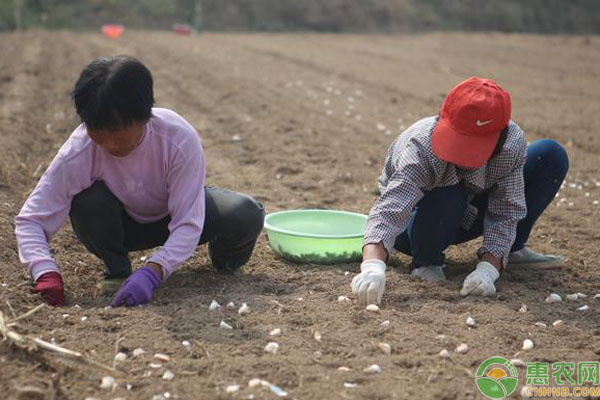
[(292, 119)]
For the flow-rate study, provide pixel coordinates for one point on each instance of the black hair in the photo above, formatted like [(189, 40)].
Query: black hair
[(113, 92)]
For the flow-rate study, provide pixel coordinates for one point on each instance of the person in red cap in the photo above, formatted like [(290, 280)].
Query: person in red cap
[(454, 177)]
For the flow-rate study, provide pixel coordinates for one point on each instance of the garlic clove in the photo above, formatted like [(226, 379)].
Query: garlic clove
[(225, 325), (527, 344), (462, 348), (244, 309), (372, 307), (214, 306), (162, 357), (108, 382), (272, 347), (523, 308), (385, 348), (275, 332), (138, 352), (553, 298), (373, 369)]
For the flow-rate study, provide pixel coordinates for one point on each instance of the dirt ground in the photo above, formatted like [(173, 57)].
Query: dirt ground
[(302, 121)]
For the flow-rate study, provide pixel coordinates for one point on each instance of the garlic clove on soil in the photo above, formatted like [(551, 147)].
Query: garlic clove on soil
[(120, 357), (523, 308), (275, 332), (470, 322), (518, 363), (553, 298), (372, 307), (373, 369), (244, 309), (572, 297), (583, 308), (527, 344), (462, 348), (214, 306), (444, 353), (162, 357), (108, 382), (385, 348), (138, 352), (168, 375), (225, 325), (272, 347), (558, 322)]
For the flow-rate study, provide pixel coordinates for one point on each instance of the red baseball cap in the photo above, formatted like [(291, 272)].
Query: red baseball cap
[(472, 117)]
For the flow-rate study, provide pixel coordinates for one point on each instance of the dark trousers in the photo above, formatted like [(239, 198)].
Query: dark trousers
[(435, 222), (232, 224)]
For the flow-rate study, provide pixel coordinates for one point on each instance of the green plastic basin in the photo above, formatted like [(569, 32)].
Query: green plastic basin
[(316, 236)]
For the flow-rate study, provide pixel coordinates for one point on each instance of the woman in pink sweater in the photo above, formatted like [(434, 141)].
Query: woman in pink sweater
[(131, 177)]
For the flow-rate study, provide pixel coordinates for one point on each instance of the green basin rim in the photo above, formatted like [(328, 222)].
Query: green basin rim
[(270, 227)]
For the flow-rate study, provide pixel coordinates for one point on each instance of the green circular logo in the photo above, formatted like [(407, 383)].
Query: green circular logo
[(496, 378)]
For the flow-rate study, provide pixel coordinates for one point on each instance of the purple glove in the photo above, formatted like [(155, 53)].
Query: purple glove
[(138, 288)]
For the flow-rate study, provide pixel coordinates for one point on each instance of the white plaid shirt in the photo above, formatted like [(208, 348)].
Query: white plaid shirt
[(411, 168)]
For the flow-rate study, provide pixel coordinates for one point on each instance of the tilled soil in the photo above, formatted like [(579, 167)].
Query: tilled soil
[(301, 121)]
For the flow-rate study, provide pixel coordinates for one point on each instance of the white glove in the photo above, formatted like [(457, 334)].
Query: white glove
[(369, 285), (481, 281)]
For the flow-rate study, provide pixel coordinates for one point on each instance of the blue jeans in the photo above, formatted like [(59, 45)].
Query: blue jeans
[(435, 222)]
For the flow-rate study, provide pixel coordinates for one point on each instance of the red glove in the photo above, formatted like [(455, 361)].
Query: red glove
[(51, 287)]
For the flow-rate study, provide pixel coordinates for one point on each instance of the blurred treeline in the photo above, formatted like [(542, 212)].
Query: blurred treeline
[(541, 16)]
